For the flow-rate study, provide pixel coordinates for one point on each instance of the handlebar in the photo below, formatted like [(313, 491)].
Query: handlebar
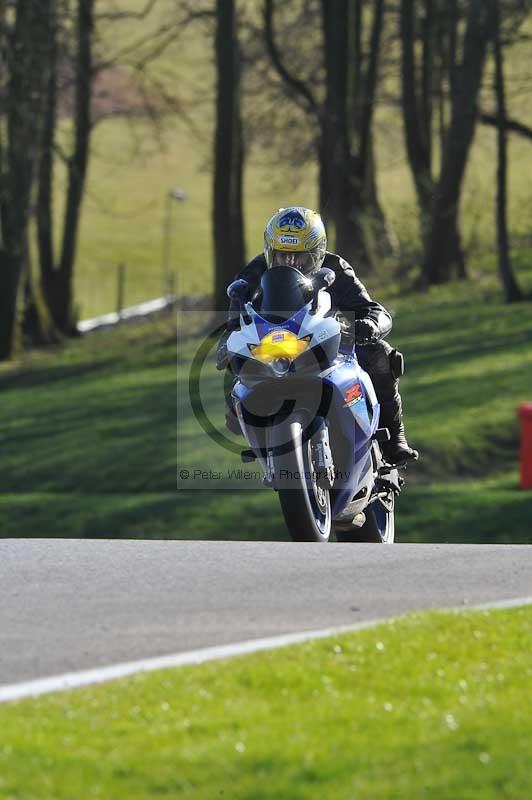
[(239, 291)]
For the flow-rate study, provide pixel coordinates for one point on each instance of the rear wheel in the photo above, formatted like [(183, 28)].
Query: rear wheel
[(384, 515), (379, 526), (306, 506)]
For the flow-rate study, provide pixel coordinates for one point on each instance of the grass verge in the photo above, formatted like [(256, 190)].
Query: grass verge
[(89, 432), (476, 512), (357, 715)]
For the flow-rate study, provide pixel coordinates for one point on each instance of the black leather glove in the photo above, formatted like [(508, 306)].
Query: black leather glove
[(366, 331)]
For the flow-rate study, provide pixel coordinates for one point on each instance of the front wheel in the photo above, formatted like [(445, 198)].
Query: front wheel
[(306, 506)]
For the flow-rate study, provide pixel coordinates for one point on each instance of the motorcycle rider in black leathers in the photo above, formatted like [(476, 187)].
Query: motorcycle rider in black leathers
[(296, 237)]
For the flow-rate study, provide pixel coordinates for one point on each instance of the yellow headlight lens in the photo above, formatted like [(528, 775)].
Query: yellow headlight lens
[(279, 344)]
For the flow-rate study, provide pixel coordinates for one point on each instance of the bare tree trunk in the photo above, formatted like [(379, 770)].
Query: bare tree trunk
[(324, 179), (58, 284), (10, 270), (37, 324), (418, 145), (383, 236), (427, 73), (335, 121), (420, 83), (376, 232), (229, 155), (46, 165), (349, 106), (512, 291), (442, 245), (333, 134), (26, 64)]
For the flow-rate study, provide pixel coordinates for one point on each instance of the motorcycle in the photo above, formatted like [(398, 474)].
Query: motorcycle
[(308, 412)]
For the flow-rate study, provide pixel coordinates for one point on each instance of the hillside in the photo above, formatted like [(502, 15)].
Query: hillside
[(90, 431)]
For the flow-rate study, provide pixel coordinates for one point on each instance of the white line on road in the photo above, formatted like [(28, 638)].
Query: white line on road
[(74, 680)]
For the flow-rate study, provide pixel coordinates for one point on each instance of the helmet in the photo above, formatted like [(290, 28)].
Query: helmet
[(295, 237)]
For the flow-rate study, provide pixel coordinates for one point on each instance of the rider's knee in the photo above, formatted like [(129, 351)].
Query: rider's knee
[(385, 365), (375, 358)]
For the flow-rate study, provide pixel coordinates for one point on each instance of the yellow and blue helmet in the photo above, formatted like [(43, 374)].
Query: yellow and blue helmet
[(295, 237)]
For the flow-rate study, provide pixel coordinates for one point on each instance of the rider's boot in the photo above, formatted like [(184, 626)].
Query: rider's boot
[(385, 366), (397, 451)]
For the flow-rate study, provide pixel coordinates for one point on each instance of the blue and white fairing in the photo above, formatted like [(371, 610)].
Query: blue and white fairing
[(322, 330), (357, 411), (353, 408)]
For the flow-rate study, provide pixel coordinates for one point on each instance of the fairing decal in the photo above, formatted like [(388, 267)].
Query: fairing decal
[(293, 324)]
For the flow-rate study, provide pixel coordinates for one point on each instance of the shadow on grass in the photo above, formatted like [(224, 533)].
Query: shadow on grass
[(194, 515), (89, 439), (490, 512), (35, 377)]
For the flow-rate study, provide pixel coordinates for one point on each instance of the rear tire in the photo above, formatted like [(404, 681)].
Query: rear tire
[(306, 507), (379, 526)]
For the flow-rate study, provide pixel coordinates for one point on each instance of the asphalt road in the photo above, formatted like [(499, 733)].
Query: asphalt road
[(68, 605)]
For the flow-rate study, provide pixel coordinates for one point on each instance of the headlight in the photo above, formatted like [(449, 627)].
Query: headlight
[(281, 366), (279, 345)]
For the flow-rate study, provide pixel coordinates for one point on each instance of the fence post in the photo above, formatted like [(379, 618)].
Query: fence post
[(120, 288)]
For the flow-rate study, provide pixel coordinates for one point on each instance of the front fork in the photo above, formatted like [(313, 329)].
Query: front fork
[(322, 457)]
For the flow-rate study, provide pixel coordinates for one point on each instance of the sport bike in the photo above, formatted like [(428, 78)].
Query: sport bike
[(308, 411)]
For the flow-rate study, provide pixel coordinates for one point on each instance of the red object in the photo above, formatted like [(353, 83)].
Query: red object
[(525, 413)]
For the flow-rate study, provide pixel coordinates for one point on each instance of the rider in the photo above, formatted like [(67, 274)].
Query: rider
[(296, 237)]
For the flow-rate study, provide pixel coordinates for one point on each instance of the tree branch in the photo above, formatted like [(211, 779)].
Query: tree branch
[(299, 87), (510, 124), (112, 16)]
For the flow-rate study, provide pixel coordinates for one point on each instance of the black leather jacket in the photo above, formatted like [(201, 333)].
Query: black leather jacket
[(348, 293)]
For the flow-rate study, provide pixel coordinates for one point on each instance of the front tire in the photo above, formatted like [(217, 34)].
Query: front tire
[(306, 506)]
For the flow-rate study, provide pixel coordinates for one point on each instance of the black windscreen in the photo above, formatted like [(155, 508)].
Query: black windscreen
[(284, 291)]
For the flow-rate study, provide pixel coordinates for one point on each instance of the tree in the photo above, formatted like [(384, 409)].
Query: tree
[(423, 89), (339, 109), (57, 280), (300, 89), (351, 84), (75, 66), (440, 254), (228, 227), (512, 291), (25, 37)]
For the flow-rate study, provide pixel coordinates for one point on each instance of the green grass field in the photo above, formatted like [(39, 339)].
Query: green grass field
[(90, 446), (354, 716)]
